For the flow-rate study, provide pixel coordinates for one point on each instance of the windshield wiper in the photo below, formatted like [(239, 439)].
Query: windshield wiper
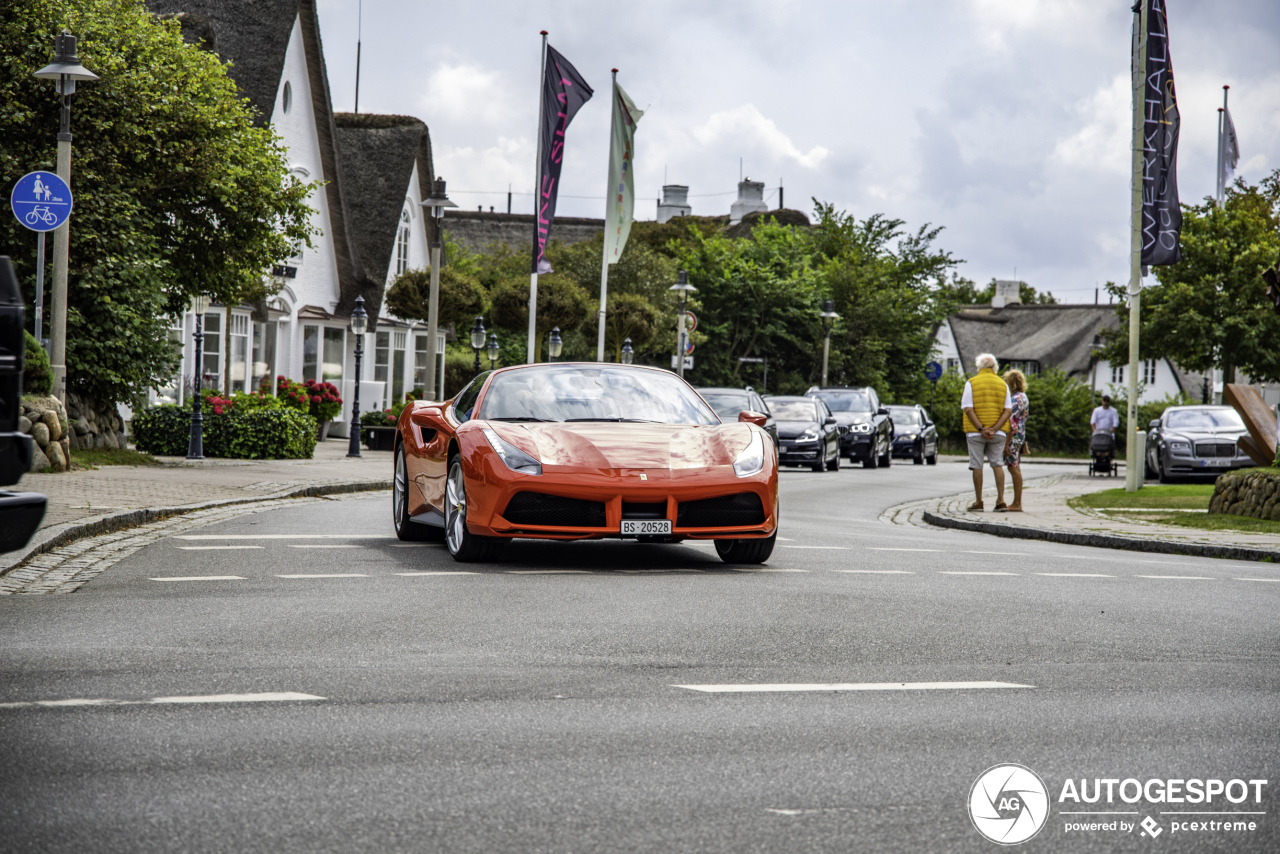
[(631, 420), (521, 418)]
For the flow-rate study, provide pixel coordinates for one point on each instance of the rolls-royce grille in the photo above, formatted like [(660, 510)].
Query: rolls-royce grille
[(535, 508), (1215, 449), (727, 511)]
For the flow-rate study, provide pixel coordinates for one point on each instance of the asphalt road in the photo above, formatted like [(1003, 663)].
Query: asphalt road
[(534, 705)]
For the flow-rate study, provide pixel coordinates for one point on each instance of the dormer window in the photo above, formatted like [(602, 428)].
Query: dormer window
[(402, 243), (286, 101)]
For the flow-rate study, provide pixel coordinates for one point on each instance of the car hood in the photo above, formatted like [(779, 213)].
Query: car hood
[(1175, 434), (792, 429), (598, 445), (847, 419), (906, 430)]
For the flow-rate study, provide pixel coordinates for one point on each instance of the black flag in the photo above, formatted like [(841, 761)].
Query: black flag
[(1161, 213), (563, 93)]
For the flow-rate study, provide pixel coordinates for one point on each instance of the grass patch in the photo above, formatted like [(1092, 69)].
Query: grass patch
[(92, 458), (1215, 522), (1181, 496)]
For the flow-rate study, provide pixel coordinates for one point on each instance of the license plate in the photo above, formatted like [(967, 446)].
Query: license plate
[(784, 447), (1204, 463), (646, 526)]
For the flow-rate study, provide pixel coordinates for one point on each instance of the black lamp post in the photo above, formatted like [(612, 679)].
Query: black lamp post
[(437, 205), (494, 351), (555, 346), (195, 445), (829, 318), (477, 339), (682, 289), (359, 325), (627, 353)]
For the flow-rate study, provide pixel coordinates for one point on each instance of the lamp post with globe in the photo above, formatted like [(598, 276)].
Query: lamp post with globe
[(494, 350), (628, 354), (359, 325), (555, 346), (477, 339), (195, 444)]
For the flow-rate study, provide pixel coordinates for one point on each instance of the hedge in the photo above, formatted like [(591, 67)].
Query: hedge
[(262, 434)]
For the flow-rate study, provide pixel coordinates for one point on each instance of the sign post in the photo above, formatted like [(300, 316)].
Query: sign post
[(41, 202), (932, 372)]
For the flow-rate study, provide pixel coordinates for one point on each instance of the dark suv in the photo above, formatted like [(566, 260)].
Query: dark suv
[(869, 427)]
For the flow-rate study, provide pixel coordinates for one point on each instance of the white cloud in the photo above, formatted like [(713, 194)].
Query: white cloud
[(1104, 137), (747, 126), (466, 93)]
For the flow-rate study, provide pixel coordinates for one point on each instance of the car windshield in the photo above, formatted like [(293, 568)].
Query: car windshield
[(793, 410), (727, 404), (904, 417), (846, 401), (1204, 419), (578, 393)]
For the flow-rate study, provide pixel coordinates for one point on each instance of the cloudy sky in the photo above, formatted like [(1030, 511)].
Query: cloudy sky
[(1006, 121)]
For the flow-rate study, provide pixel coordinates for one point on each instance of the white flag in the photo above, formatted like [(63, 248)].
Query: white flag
[(1230, 149), (621, 202)]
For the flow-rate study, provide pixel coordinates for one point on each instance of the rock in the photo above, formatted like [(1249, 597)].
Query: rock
[(40, 432), (57, 460), (24, 424), (39, 462), (81, 426), (106, 440), (66, 450), (1275, 513), (54, 424)]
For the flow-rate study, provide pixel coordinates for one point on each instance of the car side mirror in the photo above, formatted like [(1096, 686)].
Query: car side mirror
[(828, 421), (428, 418), (882, 411), (748, 416), (1154, 424)]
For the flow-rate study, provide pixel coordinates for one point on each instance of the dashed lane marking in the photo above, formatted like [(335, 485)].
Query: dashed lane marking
[(974, 572), (1178, 577), (417, 545), (887, 549), (216, 548), (326, 546), (876, 571), (1075, 574), (1256, 579), (326, 575), (849, 686), (547, 571), (762, 569), (268, 697), (833, 548), (199, 578), (447, 572), (1018, 554)]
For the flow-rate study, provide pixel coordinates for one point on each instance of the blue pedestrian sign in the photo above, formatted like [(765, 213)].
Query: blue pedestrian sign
[(41, 201), (933, 371)]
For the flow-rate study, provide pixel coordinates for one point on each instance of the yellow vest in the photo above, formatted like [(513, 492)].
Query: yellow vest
[(989, 392)]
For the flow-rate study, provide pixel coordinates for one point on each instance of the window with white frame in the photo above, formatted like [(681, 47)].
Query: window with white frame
[(381, 356), (264, 354), (402, 243), (1117, 374), (334, 352), (211, 359), (419, 360), (310, 352), (1149, 371), (397, 366), (239, 366)]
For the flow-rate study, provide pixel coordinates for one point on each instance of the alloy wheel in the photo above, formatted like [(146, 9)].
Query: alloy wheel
[(456, 506)]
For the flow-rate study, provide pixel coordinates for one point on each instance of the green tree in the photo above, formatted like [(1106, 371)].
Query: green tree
[(1210, 310), (561, 302), (462, 297), (177, 191)]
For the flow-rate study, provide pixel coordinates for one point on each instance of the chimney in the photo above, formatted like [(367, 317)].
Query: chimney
[(750, 198), (1008, 292), (675, 202)]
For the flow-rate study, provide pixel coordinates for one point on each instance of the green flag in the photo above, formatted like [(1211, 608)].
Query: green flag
[(622, 184)]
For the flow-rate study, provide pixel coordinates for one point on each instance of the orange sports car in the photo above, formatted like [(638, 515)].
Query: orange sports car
[(583, 451)]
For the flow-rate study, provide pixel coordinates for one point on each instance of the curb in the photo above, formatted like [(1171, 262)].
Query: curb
[(1106, 541), (68, 532)]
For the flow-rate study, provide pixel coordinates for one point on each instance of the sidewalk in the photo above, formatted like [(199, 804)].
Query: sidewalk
[(104, 498), (1048, 517)]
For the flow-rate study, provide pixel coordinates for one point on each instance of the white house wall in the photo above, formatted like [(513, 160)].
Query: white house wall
[(1165, 384)]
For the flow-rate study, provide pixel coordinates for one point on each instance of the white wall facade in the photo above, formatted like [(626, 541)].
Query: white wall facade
[(1156, 380)]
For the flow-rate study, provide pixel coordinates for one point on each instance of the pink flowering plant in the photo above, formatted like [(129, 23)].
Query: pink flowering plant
[(326, 404)]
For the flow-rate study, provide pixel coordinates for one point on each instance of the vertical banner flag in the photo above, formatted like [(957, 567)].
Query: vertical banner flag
[(622, 182), (1161, 213), (1230, 150), (563, 94)]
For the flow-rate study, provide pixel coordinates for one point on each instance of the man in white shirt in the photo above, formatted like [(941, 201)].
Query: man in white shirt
[(1104, 417), (984, 426)]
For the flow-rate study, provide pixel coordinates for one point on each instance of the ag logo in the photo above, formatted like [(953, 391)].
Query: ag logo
[(1008, 804)]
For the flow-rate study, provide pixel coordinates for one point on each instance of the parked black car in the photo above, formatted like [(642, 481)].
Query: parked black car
[(728, 402), (1195, 442), (869, 433), (914, 434), (808, 434)]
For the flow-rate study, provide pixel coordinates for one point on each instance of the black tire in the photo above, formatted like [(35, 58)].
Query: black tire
[(465, 546), (1161, 473), (833, 464), (870, 461), (932, 459), (406, 529), (746, 551), (886, 459), (817, 466), (917, 459)]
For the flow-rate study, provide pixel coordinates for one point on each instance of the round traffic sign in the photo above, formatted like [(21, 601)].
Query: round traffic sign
[(41, 201), (933, 371)]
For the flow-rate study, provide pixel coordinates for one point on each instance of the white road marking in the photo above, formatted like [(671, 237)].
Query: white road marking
[(876, 571), (448, 572), (326, 575), (417, 545), (1076, 574), (848, 686), (268, 697), (326, 546), (216, 548), (886, 549), (282, 537), (1019, 554), (547, 571), (199, 578), (957, 572), (1179, 577), (787, 539), (762, 569), (839, 548), (1256, 579)]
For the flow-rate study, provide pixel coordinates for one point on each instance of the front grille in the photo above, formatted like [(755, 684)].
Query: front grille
[(535, 508), (644, 510), (727, 511), (1215, 449)]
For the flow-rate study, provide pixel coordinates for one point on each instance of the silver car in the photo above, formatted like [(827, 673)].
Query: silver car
[(1195, 442)]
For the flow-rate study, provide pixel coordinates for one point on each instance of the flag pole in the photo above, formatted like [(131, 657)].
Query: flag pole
[(610, 191), (537, 209), (1135, 469), (1222, 145), (1217, 191)]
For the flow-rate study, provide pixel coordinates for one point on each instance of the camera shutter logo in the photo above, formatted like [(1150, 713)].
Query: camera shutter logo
[(1008, 804)]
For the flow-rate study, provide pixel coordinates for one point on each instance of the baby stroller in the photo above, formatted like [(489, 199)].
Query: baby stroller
[(1103, 450)]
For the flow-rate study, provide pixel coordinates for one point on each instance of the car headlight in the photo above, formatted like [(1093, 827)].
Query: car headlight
[(1180, 447), (808, 436), (911, 436), (751, 460), (862, 428), (516, 459)]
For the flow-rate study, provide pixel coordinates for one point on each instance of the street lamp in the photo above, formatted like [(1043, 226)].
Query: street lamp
[(829, 318), (493, 349), (65, 71), (437, 204), (555, 345), (682, 289), (195, 445), (359, 325), (627, 353), (477, 339)]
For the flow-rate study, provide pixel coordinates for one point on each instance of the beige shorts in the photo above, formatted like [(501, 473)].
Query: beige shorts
[(992, 449)]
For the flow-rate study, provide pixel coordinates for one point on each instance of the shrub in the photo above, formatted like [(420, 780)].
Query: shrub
[(1057, 418), (264, 433), (326, 404), (292, 394), (37, 376), (164, 430)]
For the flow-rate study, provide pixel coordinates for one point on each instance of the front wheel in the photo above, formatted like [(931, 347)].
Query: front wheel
[(746, 551), (834, 463), (886, 459), (932, 459), (870, 461), (406, 529), (465, 546)]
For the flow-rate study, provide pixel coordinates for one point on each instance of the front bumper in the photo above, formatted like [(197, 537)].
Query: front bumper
[(1203, 467), (793, 453), (856, 445), (905, 447)]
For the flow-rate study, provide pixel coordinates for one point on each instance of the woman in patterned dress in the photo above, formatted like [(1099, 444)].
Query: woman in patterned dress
[(1016, 436)]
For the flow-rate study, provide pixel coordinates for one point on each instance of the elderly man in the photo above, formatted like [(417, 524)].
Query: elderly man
[(987, 406)]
